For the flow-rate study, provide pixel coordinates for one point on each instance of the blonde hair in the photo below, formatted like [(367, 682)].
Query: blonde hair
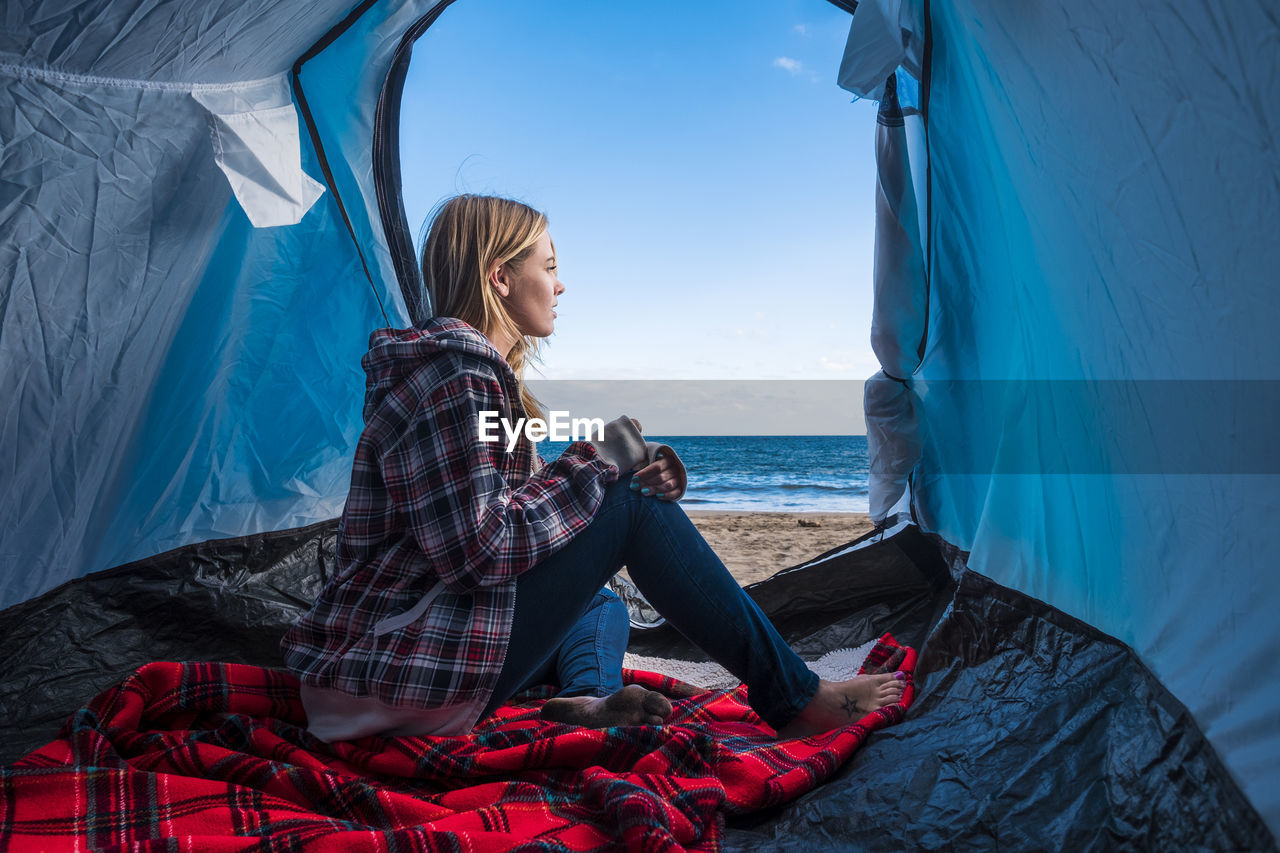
[(469, 236)]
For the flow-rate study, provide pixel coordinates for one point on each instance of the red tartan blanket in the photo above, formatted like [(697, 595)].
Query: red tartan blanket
[(214, 756)]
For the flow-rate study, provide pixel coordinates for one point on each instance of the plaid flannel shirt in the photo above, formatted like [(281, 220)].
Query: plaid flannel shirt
[(432, 509)]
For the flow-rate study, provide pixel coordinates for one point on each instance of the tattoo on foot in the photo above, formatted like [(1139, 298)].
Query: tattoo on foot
[(850, 707)]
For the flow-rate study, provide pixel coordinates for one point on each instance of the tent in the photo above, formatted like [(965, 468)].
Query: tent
[(1071, 460)]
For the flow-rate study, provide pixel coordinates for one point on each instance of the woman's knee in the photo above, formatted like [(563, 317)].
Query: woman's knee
[(620, 495), (620, 491), (620, 506)]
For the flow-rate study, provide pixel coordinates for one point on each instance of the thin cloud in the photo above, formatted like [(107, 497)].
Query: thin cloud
[(801, 29), (831, 365), (791, 66)]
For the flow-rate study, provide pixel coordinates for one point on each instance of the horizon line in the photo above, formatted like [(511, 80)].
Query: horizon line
[(749, 435)]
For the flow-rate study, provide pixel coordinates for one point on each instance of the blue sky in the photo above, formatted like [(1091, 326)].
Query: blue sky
[(710, 189)]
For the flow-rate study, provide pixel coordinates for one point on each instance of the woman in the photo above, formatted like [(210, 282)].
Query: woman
[(466, 573)]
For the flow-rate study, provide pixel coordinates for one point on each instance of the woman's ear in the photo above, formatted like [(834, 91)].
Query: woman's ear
[(498, 280)]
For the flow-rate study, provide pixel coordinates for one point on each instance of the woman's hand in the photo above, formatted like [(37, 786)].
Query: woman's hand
[(664, 477)]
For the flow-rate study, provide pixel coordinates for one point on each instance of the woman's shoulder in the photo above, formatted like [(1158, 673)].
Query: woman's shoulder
[(454, 372), (441, 363), (439, 334), (440, 350)]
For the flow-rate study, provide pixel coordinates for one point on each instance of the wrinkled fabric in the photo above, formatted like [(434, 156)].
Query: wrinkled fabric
[(883, 35), (900, 310), (215, 41), (199, 757), (1102, 334), (172, 373), (1028, 728), (256, 144), (893, 443)]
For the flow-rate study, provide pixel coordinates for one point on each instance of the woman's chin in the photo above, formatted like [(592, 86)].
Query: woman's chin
[(543, 331)]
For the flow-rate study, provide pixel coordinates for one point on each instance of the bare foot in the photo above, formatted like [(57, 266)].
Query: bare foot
[(843, 703), (630, 706)]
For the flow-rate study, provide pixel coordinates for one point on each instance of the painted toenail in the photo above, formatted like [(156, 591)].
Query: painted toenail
[(900, 675), (644, 491)]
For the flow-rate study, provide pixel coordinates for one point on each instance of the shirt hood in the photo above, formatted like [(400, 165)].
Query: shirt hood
[(395, 354)]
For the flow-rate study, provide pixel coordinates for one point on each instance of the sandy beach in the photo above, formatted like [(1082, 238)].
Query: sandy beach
[(755, 545)]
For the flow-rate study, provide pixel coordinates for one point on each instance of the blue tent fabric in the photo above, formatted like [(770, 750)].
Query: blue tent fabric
[(1096, 399), (151, 336), (900, 314)]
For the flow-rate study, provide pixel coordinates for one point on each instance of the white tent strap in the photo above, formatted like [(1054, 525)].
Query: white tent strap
[(256, 145)]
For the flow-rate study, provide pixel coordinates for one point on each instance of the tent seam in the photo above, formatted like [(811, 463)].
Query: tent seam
[(126, 83)]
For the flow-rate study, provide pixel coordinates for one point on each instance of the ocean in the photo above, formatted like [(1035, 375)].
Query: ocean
[(767, 473)]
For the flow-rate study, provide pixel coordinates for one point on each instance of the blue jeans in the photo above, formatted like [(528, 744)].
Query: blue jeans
[(589, 660), (683, 579)]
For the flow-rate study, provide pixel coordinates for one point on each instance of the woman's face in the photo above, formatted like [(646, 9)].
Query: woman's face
[(533, 289)]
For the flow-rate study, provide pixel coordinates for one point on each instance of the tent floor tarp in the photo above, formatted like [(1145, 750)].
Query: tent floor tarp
[(1028, 730)]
